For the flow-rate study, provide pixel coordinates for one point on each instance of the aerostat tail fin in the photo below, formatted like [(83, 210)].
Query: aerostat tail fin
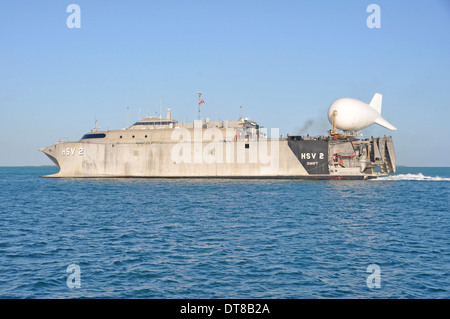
[(376, 102), (381, 121)]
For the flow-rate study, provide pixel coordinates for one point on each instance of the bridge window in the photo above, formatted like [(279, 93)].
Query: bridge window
[(152, 123), (93, 135)]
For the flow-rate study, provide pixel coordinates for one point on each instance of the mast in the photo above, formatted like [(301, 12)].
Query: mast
[(200, 102)]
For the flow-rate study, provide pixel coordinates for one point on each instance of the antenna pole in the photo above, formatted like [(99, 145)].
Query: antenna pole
[(128, 109), (128, 116)]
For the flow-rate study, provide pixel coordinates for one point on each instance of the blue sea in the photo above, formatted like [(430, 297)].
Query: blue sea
[(212, 238)]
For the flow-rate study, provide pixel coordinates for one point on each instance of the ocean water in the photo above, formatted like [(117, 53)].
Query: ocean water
[(158, 238)]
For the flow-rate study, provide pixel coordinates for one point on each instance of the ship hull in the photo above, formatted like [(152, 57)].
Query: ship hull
[(291, 158)]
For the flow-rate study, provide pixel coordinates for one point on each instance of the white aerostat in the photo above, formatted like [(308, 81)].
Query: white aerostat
[(349, 114)]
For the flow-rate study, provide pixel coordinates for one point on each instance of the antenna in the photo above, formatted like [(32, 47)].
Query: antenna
[(240, 116), (128, 116), (128, 108)]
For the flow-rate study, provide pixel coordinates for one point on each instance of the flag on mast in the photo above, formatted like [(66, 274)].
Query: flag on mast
[(200, 102)]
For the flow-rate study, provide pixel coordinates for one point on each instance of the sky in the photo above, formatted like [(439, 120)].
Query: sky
[(284, 61)]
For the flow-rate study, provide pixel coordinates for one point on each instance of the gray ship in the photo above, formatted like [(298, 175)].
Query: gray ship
[(164, 148)]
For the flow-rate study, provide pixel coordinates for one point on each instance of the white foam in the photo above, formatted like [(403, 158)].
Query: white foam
[(411, 177)]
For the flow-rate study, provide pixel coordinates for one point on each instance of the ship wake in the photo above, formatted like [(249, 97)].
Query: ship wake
[(412, 177)]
